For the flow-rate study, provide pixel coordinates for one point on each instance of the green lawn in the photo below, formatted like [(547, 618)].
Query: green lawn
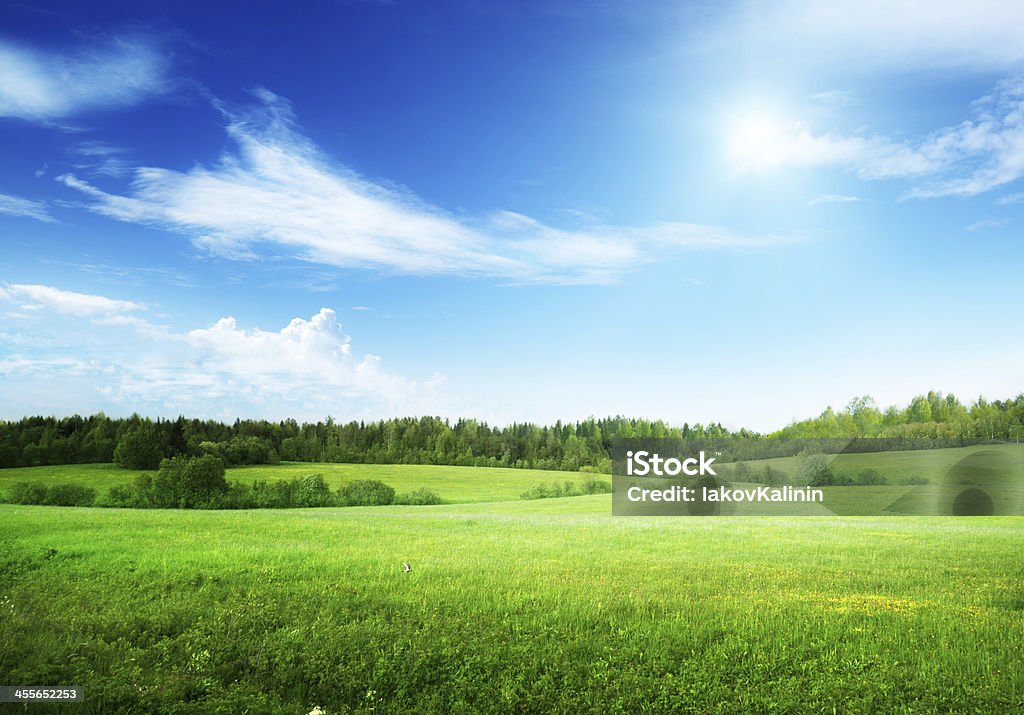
[(514, 606)]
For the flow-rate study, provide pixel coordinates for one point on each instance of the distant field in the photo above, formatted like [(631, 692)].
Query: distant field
[(512, 606), (932, 464), (483, 484), (454, 484)]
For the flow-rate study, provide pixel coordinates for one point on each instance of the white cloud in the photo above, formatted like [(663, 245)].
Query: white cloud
[(35, 297), (979, 154), (834, 199), (101, 158), (42, 85), (986, 224), (305, 369), (304, 357), (278, 194), (866, 34), (1016, 198), (18, 206)]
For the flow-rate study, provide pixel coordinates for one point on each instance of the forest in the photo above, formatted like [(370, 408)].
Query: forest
[(136, 442)]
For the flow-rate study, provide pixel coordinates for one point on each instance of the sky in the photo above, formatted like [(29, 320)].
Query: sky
[(513, 211)]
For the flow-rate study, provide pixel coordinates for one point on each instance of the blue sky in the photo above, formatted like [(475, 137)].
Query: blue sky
[(735, 212)]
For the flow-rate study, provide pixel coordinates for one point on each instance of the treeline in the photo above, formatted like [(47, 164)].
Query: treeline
[(933, 416), (932, 420), (140, 443)]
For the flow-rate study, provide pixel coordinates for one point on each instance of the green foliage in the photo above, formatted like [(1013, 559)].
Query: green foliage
[(312, 491), (242, 450), (70, 495), (418, 497), (556, 490), (741, 472), (365, 492), (138, 448), (815, 471), (186, 482), (27, 493), (64, 494), (933, 420), (771, 476), (871, 478), (915, 481), (596, 486)]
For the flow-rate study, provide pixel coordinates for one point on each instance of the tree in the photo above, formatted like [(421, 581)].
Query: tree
[(139, 448), (815, 471), (312, 491), (366, 492), (190, 482)]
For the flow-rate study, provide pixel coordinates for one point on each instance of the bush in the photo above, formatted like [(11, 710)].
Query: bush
[(816, 472), (566, 489), (70, 495), (597, 486), (915, 481), (312, 491), (419, 497), (366, 492), (56, 495), (189, 482), (870, 478), (120, 497), (27, 493), (771, 477)]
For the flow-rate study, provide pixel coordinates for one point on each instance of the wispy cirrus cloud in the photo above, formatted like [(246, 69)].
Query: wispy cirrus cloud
[(869, 34), (18, 206), (278, 194), (981, 153), (36, 297), (44, 84), (834, 199), (985, 224)]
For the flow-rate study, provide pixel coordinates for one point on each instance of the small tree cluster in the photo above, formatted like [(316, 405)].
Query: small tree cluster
[(555, 490), (53, 495)]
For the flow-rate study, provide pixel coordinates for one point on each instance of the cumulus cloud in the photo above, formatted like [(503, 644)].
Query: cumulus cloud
[(17, 206), (307, 368), (277, 194), (981, 153), (42, 85), (36, 297), (305, 357)]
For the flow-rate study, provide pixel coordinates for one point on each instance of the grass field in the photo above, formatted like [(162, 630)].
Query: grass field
[(511, 606), (453, 484), (931, 464)]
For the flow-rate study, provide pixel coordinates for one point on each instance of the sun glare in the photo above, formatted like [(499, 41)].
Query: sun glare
[(755, 139)]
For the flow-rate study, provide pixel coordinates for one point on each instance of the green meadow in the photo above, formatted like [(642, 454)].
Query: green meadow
[(453, 484), (510, 606), (930, 464)]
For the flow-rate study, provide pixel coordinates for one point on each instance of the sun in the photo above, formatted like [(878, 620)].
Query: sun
[(756, 138)]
